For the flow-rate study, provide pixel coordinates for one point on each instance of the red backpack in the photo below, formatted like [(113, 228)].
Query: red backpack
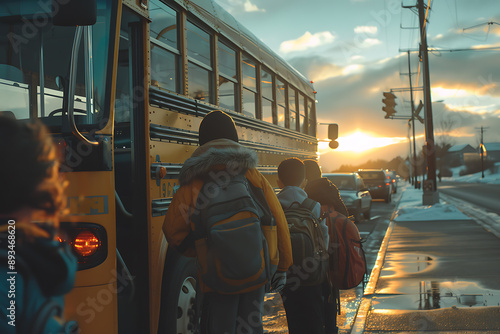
[(347, 257)]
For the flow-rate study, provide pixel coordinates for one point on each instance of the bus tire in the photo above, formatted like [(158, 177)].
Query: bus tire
[(178, 312)]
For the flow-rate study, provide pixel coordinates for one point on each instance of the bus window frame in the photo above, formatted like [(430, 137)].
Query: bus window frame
[(254, 91), (168, 48), (220, 74), (273, 93), (295, 111), (302, 113), (209, 68), (285, 100)]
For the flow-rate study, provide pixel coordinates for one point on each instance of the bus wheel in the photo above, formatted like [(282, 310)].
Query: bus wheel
[(186, 307), (179, 305)]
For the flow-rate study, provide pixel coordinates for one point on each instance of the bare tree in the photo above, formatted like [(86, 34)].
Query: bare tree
[(444, 141)]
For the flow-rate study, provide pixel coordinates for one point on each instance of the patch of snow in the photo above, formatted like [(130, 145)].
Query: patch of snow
[(410, 208), (490, 178)]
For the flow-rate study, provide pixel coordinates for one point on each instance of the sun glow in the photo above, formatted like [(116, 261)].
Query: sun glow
[(361, 141)]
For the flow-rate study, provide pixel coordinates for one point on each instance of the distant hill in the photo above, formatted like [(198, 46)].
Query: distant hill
[(398, 164)]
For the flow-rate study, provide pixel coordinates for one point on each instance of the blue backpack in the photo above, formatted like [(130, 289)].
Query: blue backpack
[(232, 250)]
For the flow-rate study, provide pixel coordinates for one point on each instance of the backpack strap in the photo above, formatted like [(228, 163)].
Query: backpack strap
[(308, 204)]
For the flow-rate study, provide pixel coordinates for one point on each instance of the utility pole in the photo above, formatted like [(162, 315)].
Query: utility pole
[(412, 123), (482, 151), (411, 154), (431, 195)]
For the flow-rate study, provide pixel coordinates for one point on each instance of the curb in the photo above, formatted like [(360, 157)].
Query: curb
[(366, 301)]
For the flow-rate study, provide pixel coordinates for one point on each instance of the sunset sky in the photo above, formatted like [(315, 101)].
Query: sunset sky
[(354, 50)]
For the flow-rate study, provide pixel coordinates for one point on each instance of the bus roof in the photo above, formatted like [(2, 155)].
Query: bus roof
[(219, 19)]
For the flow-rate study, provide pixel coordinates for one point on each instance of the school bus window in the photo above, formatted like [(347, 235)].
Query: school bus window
[(164, 68), (266, 86), (280, 102), (199, 63), (164, 24), (165, 55), (249, 74), (311, 117), (227, 77), (123, 98), (249, 105), (302, 114), (199, 83), (292, 107)]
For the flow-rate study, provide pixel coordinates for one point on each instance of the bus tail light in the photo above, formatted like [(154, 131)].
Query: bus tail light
[(88, 242), (85, 243)]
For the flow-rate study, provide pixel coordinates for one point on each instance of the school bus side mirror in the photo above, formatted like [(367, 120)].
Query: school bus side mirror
[(333, 131), (333, 134), (72, 13)]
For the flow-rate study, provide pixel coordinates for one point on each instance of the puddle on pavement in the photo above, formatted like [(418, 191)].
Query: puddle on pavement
[(425, 295), (399, 264), (274, 317)]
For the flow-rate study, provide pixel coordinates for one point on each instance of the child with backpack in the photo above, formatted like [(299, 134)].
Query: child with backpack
[(227, 215), (36, 269), (347, 263), (303, 295)]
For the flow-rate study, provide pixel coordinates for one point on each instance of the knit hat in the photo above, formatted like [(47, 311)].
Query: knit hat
[(216, 125)]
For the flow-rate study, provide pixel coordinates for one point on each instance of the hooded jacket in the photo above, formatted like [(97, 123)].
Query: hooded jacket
[(45, 270), (326, 193), (216, 155)]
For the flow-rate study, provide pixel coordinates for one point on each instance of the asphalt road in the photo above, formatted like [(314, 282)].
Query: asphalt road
[(486, 196)]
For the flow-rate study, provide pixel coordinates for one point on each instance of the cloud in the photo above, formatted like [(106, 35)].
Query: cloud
[(250, 7), (234, 6), (466, 81), (372, 30), (369, 42), (307, 41)]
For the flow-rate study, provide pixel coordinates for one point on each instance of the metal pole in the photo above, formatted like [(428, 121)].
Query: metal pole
[(412, 120), (429, 128), (411, 154), (482, 154)]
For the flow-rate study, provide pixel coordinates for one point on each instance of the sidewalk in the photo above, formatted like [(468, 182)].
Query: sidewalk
[(437, 271)]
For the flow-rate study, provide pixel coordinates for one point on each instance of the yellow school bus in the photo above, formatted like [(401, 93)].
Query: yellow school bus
[(123, 86)]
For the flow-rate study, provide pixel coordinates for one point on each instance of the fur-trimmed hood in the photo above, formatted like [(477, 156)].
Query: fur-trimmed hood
[(213, 155)]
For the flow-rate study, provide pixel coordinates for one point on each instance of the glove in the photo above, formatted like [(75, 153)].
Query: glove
[(278, 281)]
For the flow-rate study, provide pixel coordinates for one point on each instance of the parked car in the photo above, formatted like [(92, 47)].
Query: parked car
[(394, 180), (354, 193), (378, 182)]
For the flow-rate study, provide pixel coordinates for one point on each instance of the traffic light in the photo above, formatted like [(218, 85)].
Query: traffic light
[(390, 103), (333, 134)]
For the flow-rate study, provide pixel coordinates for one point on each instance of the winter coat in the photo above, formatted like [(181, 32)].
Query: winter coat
[(216, 155), (45, 269), (326, 193), (292, 197)]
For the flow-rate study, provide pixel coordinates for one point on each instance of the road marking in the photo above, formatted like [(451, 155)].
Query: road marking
[(374, 217)]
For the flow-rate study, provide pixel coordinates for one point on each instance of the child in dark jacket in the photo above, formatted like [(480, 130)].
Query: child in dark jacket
[(303, 304), (220, 152), (32, 198), (321, 189), (325, 192)]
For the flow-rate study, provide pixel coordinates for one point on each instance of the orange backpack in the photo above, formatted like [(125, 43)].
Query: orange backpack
[(347, 257)]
